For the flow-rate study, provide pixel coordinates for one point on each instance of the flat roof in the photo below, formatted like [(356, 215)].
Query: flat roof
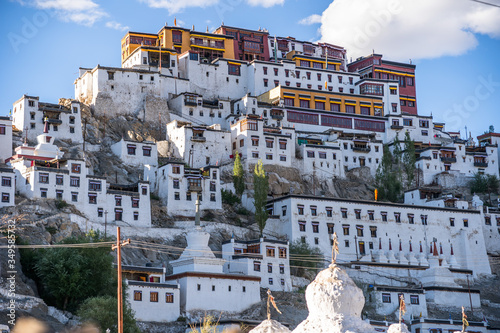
[(367, 202)]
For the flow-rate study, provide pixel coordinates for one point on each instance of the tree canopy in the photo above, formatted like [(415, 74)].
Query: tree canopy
[(238, 176), (261, 188), (101, 311)]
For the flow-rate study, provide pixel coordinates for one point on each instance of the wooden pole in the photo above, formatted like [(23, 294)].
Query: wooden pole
[(118, 247)]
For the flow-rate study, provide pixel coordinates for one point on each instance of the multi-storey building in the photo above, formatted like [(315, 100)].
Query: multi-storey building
[(209, 46), (6, 138), (199, 146), (41, 172), (374, 66), (255, 141), (149, 296), (490, 139), (198, 110), (266, 258), (64, 120), (7, 186), (136, 153), (398, 234), (248, 44), (178, 186)]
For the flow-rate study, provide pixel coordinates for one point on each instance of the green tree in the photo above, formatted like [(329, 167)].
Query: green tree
[(101, 311), (69, 275), (478, 183), (260, 188), (305, 257), (491, 185), (238, 176), (397, 152), (409, 160), (387, 180)]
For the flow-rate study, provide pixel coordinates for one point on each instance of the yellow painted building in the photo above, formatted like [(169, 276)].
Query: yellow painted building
[(324, 101), (209, 46), (302, 60)]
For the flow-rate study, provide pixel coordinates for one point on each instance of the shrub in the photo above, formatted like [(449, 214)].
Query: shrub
[(229, 197)]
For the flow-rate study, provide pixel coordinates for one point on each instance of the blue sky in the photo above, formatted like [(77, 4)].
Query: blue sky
[(46, 42)]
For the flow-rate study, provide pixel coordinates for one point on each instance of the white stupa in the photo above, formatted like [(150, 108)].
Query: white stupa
[(398, 328), (335, 304), (270, 326)]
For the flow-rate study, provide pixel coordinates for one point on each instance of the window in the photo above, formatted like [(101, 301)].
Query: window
[(310, 154), (131, 149), (357, 213), (269, 143), (452, 222), (414, 299), (100, 212), (270, 251), (329, 211), (373, 231), (359, 230), (146, 151), (153, 296), (136, 216), (411, 219), (346, 243), (74, 181), (394, 107), (144, 190), (5, 197), (425, 133), (111, 75), (282, 158), (270, 281), (118, 214), (397, 217), (43, 192), (424, 219), (269, 268), (212, 197), (319, 105), (407, 122), (94, 185), (386, 298), (242, 142), (176, 183), (344, 212), (198, 287), (300, 209), (466, 223), (59, 194), (345, 228), (302, 226), (282, 252), (304, 103), (92, 198), (255, 141), (74, 196), (315, 227), (264, 69), (282, 143), (269, 156), (314, 210), (43, 178), (118, 200), (233, 69), (256, 266), (288, 101), (177, 196), (409, 81), (371, 215), (137, 295), (135, 202), (335, 107), (265, 82), (176, 169), (7, 181), (330, 227), (255, 154), (384, 216), (350, 109), (72, 130), (169, 297)]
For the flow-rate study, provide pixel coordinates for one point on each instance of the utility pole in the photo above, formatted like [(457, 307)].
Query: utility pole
[(105, 223), (356, 245), (118, 248)]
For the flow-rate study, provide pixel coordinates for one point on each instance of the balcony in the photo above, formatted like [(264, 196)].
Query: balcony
[(277, 116), (198, 139), (194, 188), (481, 164), (449, 159), (396, 127), (361, 149)]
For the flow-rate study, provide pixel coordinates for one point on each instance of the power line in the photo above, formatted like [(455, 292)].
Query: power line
[(487, 3)]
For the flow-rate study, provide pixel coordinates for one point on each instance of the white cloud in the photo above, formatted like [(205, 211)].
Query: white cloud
[(175, 6), (116, 26), (310, 20), (85, 12), (265, 3), (404, 29)]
